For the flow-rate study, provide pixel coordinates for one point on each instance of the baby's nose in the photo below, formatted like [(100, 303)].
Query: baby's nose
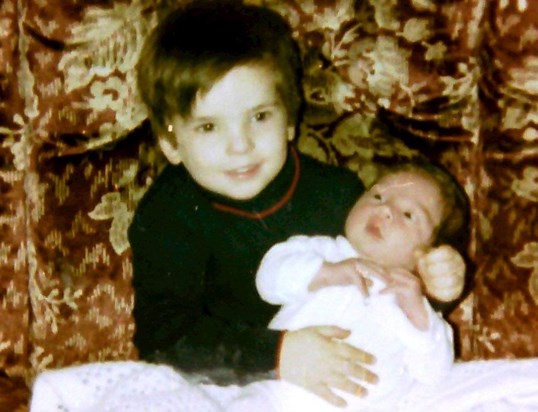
[(385, 212)]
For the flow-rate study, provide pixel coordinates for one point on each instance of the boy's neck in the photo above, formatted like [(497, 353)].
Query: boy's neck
[(277, 194)]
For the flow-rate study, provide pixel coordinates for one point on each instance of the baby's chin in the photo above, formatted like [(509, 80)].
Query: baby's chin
[(372, 249), (381, 253)]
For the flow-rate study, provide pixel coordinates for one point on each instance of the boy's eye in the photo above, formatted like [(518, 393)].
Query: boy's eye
[(408, 215), (377, 196), (206, 128), (261, 116)]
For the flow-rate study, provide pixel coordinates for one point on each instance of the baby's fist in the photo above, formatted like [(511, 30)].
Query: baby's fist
[(442, 271)]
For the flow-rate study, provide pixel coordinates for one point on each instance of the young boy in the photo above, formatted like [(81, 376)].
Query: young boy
[(390, 228), (222, 84)]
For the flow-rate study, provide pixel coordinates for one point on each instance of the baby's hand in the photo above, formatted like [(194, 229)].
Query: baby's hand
[(346, 272), (408, 291), (317, 359), (442, 271)]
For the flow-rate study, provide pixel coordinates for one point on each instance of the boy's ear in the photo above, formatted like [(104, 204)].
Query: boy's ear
[(291, 133), (171, 151)]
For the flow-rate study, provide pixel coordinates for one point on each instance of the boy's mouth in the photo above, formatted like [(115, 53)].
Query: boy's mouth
[(244, 172)]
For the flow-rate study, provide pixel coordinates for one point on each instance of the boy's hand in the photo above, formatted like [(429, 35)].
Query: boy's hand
[(407, 288), (346, 272), (317, 359), (442, 271)]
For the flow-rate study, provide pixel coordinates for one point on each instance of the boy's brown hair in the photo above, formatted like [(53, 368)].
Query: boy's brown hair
[(199, 43)]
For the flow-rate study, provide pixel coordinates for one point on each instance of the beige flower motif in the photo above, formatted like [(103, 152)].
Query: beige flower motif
[(386, 16), (352, 136), (125, 102), (518, 118), (332, 18), (390, 69), (436, 51), (119, 205), (17, 146), (528, 258), (527, 187), (424, 5), (311, 146), (487, 338), (525, 77), (530, 134), (417, 30), (104, 42), (112, 207)]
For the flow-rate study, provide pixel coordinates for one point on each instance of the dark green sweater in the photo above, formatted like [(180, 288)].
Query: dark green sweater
[(195, 256)]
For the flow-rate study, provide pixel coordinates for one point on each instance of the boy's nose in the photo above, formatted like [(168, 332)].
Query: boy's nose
[(240, 141)]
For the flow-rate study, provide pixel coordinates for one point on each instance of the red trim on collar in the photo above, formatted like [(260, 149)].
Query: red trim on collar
[(278, 205)]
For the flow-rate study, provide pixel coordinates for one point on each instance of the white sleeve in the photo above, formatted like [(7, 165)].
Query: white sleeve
[(288, 268), (430, 354)]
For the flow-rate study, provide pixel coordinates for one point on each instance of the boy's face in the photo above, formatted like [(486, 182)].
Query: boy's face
[(395, 219), (236, 140)]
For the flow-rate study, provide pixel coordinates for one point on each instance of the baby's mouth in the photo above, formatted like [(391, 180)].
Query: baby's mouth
[(374, 230)]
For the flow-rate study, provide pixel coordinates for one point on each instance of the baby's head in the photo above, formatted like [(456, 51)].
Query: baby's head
[(198, 44), (411, 208)]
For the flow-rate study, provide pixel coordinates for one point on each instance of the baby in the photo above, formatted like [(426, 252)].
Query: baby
[(365, 281)]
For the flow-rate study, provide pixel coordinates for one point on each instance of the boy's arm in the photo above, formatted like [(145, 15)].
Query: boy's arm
[(168, 280), (172, 326)]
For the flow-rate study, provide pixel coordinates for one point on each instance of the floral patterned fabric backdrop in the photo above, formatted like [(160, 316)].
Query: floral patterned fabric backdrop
[(455, 80)]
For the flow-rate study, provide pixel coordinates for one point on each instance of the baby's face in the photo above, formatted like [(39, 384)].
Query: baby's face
[(235, 141), (395, 219)]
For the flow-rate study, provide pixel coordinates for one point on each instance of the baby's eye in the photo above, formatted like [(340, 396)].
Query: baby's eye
[(408, 215), (377, 196), (206, 128)]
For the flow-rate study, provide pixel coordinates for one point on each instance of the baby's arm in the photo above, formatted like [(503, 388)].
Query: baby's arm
[(350, 271), (408, 292), (426, 336), (430, 353), (288, 268), (303, 264), (315, 358)]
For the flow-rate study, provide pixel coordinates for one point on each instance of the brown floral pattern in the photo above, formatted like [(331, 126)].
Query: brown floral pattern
[(456, 81)]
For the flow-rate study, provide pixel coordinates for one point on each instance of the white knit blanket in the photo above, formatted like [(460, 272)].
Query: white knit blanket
[(486, 386)]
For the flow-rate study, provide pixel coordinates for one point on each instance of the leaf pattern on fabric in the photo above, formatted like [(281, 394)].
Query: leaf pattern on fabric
[(454, 81)]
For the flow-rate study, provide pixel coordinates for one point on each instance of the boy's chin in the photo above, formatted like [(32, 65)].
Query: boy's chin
[(241, 195)]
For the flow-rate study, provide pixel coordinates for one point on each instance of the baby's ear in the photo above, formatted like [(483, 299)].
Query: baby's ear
[(170, 150)]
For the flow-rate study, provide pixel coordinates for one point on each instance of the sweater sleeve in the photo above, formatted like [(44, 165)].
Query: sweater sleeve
[(168, 279), (288, 268), (173, 266), (429, 354)]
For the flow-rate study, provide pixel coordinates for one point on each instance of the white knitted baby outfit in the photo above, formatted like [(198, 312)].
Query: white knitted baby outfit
[(118, 387), (482, 386)]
